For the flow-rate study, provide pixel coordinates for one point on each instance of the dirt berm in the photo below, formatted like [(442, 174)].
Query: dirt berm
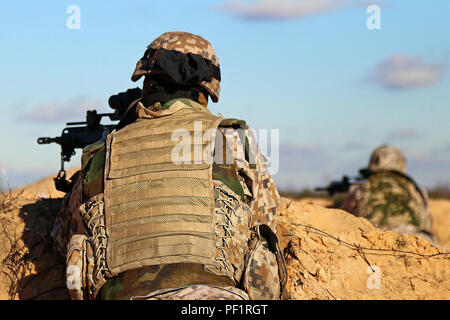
[(330, 254)]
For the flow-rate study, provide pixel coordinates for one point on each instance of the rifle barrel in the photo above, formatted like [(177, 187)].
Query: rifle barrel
[(46, 140)]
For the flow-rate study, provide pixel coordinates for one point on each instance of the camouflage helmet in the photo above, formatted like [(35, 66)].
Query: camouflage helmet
[(387, 158), (183, 42)]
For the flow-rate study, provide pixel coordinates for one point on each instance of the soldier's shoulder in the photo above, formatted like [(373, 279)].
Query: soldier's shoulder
[(233, 123), (388, 176)]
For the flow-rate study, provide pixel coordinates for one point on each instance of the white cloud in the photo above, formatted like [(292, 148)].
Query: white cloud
[(280, 9), (404, 72), (61, 111), (403, 134)]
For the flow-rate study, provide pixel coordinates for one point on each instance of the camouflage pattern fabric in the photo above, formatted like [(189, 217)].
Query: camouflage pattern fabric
[(69, 221), (195, 292), (386, 158), (76, 266), (261, 279), (82, 269), (92, 164), (226, 172), (141, 281), (389, 200), (183, 42), (248, 177), (254, 177)]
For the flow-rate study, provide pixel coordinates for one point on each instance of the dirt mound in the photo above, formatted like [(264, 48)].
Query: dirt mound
[(29, 267), (331, 254), (440, 212), (44, 188)]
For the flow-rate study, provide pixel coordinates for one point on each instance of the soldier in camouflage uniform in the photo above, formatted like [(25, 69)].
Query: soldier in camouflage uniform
[(389, 197), (138, 226)]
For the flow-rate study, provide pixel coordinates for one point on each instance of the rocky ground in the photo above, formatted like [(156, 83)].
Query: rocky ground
[(330, 254)]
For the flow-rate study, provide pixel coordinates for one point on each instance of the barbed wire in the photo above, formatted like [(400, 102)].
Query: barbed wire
[(360, 248)]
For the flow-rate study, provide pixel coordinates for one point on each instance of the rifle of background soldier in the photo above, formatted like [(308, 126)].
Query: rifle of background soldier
[(346, 182), (77, 135), (341, 186)]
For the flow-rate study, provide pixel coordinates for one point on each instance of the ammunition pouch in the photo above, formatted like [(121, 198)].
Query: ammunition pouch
[(76, 266), (265, 273)]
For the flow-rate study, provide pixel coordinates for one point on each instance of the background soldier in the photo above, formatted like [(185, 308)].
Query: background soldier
[(140, 225), (389, 197)]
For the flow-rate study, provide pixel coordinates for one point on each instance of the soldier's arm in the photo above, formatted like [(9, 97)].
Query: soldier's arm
[(357, 195), (254, 177)]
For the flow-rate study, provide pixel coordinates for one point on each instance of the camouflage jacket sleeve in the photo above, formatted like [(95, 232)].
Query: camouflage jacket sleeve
[(253, 175), (88, 183), (68, 220), (355, 196)]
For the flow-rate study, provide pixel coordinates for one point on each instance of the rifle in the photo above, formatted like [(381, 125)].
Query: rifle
[(78, 135), (340, 186)]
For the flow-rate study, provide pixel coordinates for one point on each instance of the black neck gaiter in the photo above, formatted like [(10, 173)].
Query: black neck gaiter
[(155, 92)]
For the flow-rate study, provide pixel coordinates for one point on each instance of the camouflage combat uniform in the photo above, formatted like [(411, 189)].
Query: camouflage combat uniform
[(388, 197), (68, 224), (196, 292), (247, 177)]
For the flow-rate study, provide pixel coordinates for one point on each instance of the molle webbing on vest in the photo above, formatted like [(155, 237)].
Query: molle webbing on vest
[(157, 211)]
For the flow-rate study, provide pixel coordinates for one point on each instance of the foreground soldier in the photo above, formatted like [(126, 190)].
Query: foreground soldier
[(389, 197), (177, 203)]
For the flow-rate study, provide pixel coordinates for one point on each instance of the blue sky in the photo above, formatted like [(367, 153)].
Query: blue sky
[(311, 68)]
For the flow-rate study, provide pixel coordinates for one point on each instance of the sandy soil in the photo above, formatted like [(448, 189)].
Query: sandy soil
[(330, 254), (29, 267), (44, 188), (440, 212)]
